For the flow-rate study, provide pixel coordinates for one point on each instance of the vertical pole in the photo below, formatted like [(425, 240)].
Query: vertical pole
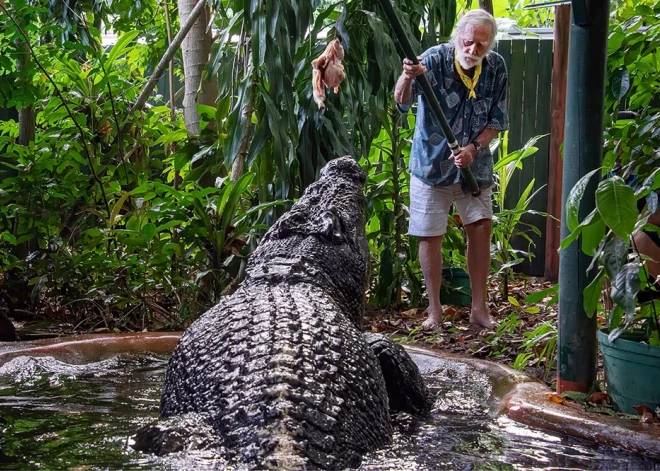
[(557, 116), (583, 151)]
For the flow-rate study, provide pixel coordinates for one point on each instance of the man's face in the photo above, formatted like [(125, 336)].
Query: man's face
[(472, 45)]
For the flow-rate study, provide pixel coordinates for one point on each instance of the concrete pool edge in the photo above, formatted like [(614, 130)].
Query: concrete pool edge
[(515, 395), (524, 399)]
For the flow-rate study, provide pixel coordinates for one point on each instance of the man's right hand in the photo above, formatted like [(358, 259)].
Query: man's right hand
[(412, 70)]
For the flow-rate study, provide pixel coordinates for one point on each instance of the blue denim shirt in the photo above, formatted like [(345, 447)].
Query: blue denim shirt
[(429, 159)]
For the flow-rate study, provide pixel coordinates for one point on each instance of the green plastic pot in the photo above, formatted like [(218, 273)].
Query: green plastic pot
[(632, 372), (455, 289)]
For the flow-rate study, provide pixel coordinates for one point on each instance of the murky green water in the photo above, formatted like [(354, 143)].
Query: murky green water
[(55, 415)]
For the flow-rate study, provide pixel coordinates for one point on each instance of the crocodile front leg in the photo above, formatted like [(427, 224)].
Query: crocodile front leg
[(405, 386)]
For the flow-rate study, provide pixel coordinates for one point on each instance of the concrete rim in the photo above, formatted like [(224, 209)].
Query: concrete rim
[(515, 394)]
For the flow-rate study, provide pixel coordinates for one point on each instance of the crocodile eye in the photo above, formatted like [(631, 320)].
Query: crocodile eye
[(332, 227)]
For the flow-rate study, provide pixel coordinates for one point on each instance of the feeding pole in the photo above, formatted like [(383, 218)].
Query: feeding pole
[(429, 94), (583, 152)]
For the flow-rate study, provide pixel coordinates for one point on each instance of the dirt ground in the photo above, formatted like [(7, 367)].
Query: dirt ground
[(514, 335)]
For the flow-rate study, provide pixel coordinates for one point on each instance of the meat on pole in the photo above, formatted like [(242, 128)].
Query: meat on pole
[(466, 173)]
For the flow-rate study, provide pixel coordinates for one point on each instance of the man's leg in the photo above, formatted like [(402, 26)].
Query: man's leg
[(477, 214), (430, 258), (478, 260), (429, 209)]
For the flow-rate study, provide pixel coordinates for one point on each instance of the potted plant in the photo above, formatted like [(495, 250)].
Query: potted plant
[(455, 289), (626, 207)]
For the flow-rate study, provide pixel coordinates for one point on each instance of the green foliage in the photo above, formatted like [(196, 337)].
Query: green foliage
[(528, 18), (507, 223), (105, 223), (497, 340), (540, 347), (514, 9), (633, 63), (293, 139), (631, 155), (131, 221), (394, 260)]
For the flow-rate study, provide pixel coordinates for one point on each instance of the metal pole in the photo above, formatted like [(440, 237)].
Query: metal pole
[(583, 151), (429, 94)]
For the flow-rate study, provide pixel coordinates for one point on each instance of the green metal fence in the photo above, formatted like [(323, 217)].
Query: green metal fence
[(529, 64)]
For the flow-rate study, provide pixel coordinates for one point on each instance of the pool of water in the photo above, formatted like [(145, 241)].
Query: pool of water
[(56, 415)]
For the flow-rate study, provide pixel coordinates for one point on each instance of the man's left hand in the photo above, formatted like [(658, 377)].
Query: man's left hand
[(465, 157)]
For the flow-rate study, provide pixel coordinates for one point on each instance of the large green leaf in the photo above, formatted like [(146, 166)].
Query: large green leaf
[(542, 294), (625, 286), (116, 208), (592, 294), (121, 47), (520, 154), (620, 83), (617, 205), (574, 199), (615, 252), (592, 234), (237, 190), (148, 231)]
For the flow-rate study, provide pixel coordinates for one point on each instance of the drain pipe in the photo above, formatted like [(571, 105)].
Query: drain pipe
[(583, 152)]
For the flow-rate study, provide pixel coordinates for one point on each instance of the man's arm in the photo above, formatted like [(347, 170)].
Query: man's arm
[(486, 136), (403, 88), (467, 154)]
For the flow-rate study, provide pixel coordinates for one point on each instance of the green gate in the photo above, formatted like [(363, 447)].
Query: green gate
[(529, 64)]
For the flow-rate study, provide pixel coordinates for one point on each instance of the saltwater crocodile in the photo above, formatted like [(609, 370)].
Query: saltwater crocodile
[(278, 374)]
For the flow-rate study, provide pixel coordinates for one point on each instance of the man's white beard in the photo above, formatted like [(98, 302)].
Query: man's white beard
[(468, 64)]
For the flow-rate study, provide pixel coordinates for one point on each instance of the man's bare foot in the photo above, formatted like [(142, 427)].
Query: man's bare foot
[(482, 318), (433, 322)]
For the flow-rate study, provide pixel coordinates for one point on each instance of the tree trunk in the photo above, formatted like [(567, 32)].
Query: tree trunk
[(486, 5), (164, 61), (196, 49)]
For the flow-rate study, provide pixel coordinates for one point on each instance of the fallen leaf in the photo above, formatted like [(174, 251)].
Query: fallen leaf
[(555, 398), (645, 414), (600, 399), (409, 313), (450, 311), (104, 130), (646, 418)]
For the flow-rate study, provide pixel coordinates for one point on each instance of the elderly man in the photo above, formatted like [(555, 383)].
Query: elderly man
[(470, 82)]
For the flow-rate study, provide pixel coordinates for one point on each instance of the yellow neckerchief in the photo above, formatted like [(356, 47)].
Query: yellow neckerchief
[(470, 83)]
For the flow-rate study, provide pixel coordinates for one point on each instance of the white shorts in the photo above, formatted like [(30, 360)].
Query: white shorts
[(429, 207)]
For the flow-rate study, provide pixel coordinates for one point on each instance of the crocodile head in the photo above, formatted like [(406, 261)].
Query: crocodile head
[(322, 239)]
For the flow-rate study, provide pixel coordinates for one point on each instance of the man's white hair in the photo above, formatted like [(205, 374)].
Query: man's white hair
[(477, 18)]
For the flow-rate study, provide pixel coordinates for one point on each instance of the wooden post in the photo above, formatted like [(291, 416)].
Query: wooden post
[(557, 113)]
